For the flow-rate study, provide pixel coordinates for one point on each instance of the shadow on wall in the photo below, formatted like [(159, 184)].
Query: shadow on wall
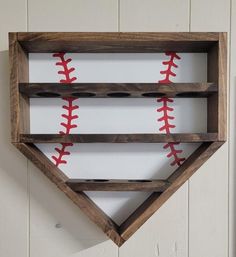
[(41, 213)]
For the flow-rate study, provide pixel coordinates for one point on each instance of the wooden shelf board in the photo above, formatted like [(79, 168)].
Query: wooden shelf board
[(36, 90), (119, 138), (110, 42), (117, 185)]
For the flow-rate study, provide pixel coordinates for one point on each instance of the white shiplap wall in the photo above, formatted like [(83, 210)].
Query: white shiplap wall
[(37, 220), (208, 188)]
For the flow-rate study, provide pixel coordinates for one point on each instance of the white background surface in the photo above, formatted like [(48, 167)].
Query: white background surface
[(119, 115), (112, 115), (197, 221)]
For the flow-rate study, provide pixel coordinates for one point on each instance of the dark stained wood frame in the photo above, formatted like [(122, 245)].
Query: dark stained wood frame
[(119, 138), (36, 90), (79, 185), (215, 44)]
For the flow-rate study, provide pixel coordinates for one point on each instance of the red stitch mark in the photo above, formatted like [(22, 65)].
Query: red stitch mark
[(69, 108), (170, 64), (165, 110)]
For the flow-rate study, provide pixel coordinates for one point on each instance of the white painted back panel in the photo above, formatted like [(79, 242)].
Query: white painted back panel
[(118, 161)]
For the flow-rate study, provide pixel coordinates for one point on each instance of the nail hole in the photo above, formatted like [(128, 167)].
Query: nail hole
[(139, 180), (83, 94), (153, 94), (118, 94), (58, 225), (48, 94), (188, 94), (97, 180)]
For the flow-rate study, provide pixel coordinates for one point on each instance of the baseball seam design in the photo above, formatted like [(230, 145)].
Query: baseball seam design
[(69, 108), (166, 110)]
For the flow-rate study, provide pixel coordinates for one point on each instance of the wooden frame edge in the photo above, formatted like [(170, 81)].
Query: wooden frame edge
[(19, 104), (117, 36), (108, 226), (120, 42), (222, 90), (14, 99), (178, 178)]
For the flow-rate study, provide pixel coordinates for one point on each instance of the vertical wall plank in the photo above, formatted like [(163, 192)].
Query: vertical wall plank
[(75, 15), (154, 15), (13, 18), (208, 188), (232, 134), (210, 15), (13, 166), (57, 227), (166, 233)]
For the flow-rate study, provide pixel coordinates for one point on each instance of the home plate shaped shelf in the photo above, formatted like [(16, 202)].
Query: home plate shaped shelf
[(117, 77)]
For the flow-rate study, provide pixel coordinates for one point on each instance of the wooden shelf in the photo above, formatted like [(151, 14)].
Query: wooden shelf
[(213, 44), (119, 138), (113, 42), (35, 90), (79, 185)]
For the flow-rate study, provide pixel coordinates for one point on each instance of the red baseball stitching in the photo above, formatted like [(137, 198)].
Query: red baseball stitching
[(69, 108), (165, 110)]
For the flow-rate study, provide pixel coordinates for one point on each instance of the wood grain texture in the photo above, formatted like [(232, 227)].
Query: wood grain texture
[(14, 94), (117, 36), (23, 70), (111, 42), (222, 133), (217, 72), (154, 90), (117, 185), (212, 101), (19, 72), (177, 179), (118, 138), (80, 199)]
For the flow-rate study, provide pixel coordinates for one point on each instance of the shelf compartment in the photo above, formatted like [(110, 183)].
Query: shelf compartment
[(119, 138), (118, 90), (79, 185)]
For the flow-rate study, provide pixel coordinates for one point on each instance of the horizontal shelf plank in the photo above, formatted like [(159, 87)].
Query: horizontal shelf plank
[(101, 90), (117, 185), (118, 138), (108, 42)]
